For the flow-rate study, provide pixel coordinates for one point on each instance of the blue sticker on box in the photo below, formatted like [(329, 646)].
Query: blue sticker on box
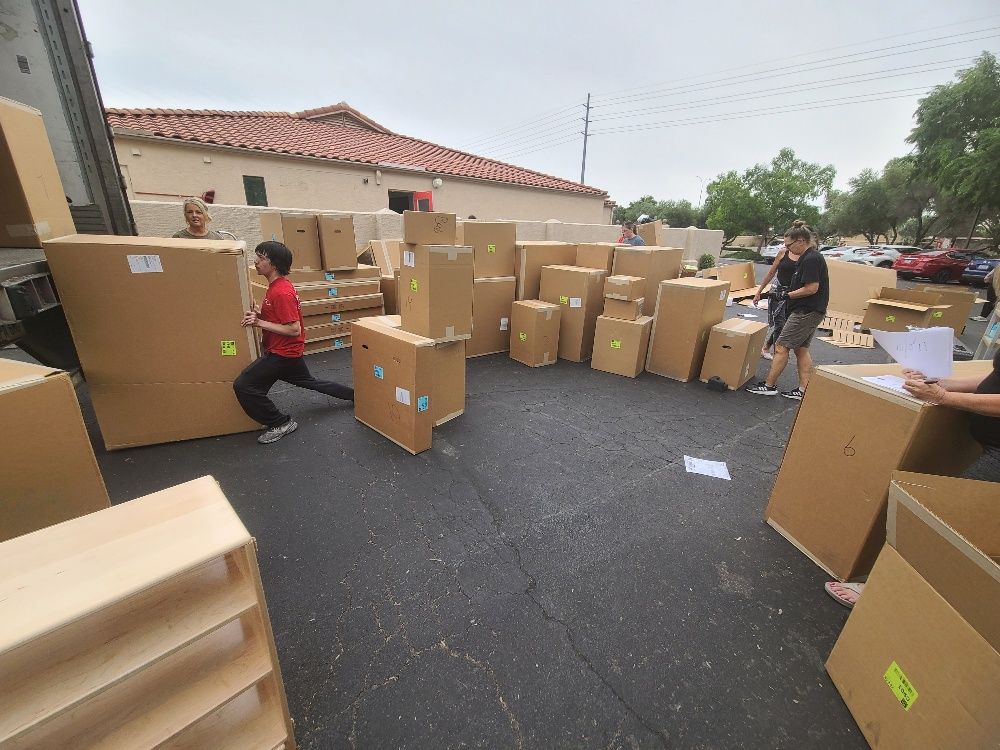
[(335, 317), (338, 343), (329, 276), (422, 403), (379, 373), (332, 292)]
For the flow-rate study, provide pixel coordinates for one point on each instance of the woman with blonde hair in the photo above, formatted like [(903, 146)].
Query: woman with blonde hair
[(197, 217)]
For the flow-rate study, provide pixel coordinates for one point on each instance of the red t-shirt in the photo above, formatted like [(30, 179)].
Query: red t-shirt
[(281, 305)]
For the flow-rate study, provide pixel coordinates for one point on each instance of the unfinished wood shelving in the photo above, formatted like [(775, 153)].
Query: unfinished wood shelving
[(140, 626)]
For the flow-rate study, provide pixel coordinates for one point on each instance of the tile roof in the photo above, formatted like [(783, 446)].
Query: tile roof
[(335, 132)]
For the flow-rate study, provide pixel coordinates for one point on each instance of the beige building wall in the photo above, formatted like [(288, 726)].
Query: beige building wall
[(157, 169)]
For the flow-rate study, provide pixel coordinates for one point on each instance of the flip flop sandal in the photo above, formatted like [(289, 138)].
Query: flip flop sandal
[(844, 593)]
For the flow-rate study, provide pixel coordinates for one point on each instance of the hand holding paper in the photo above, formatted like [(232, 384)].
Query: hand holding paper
[(928, 350)]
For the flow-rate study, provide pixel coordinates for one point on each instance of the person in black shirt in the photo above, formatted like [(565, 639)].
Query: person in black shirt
[(805, 302)]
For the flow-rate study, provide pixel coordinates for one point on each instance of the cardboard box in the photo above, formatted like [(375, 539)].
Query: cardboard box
[(853, 284), (390, 292), (361, 273), (739, 275), (270, 227), (429, 228), (492, 244), (327, 330), (338, 248), (962, 303), (529, 257), (310, 321), (326, 290), (653, 233), (301, 234), (620, 345), (387, 255), (579, 292), (596, 255), (616, 308), (924, 639), (654, 264), (49, 471), (624, 287), (139, 346), (686, 310), (491, 304), (840, 525), (340, 305), (34, 205), (328, 344), (897, 309), (534, 332), (733, 351), (435, 291)]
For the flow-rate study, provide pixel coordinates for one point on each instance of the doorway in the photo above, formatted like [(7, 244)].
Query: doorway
[(400, 201)]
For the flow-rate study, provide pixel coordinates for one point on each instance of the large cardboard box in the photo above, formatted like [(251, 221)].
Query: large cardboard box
[(47, 463), (360, 273), (390, 292), (534, 332), (653, 233), (624, 287), (580, 294), (897, 309), (33, 207), (491, 304), (529, 257), (338, 248), (654, 264), (429, 228), (340, 305), (620, 345), (853, 284), (270, 227), (922, 645), (686, 310), (387, 255), (325, 318), (733, 351), (324, 290), (596, 255), (156, 323), (829, 498), (739, 275), (328, 344), (617, 308), (961, 303), (435, 291), (492, 244), (301, 233)]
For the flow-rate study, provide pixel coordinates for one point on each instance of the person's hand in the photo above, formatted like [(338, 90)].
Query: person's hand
[(780, 295), (250, 318), (932, 393), (909, 374), (756, 298)]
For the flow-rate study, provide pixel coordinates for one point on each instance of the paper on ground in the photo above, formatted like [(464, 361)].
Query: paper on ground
[(892, 382), (716, 469), (928, 350)]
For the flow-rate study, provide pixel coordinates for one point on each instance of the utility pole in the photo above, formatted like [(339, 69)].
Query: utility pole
[(586, 135)]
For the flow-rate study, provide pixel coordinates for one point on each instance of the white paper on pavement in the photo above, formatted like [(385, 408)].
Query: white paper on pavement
[(716, 469), (892, 382), (929, 350)]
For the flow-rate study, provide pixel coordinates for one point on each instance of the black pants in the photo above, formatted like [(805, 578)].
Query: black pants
[(256, 380), (991, 302)]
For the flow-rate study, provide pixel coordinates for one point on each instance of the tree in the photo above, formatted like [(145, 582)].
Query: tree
[(911, 200), (864, 209), (647, 204), (679, 213), (730, 206)]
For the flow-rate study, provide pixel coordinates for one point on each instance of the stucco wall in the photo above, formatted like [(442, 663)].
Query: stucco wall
[(161, 170)]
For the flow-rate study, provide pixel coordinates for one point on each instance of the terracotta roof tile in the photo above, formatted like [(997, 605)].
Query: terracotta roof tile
[(308, 134)]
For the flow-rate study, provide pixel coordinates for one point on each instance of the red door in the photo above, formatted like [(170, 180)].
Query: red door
[(423, 201)]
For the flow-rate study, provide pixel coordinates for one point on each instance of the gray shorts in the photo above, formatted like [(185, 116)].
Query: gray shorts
[(799, 329)]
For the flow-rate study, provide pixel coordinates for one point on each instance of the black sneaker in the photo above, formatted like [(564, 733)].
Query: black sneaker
[(796, 394), (762, 389)]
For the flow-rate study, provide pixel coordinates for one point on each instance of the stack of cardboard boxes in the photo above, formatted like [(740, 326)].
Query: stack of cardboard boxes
[(621, 335), (494, 284), (332, 287)]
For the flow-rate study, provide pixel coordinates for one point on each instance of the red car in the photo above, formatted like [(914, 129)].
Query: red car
[(940, 266)]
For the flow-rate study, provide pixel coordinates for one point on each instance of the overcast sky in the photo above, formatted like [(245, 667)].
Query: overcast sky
[(688, 89)]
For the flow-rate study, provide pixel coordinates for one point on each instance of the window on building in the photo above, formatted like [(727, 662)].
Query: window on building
[(255, 191), (400, 201)]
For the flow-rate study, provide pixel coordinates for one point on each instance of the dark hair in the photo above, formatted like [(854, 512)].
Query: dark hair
[(279, 255), (630, 226), (799, 230)]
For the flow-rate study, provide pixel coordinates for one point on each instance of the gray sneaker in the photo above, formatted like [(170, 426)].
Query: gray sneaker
[(276, 433)]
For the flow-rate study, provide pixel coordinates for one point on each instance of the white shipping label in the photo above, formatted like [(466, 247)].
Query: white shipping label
[(575, 302), (402, 396), (145, 263), (504, 324), (409, 259), (723, 294)]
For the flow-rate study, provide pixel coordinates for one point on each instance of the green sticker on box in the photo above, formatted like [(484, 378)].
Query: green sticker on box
[(228, 348), (937, 314), (890, 318), (901, 687), (523, 336), (491, 248), (563, 300), (413, 285), (616, 343)]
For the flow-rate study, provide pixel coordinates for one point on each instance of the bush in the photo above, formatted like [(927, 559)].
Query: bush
[(744, 254), (706, 261)]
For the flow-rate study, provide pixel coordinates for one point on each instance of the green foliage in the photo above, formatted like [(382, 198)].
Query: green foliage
[(677, 213), (862, 210), (706, 261), (743, 254)]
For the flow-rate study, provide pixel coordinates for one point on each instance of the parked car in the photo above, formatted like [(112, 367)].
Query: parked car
[(884, 256), (940, 266), (976, 271), (770, 252), (847, 252)]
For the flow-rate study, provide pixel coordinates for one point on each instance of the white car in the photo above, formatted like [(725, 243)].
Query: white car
[(847, 253), (770, 252), (884, 256)]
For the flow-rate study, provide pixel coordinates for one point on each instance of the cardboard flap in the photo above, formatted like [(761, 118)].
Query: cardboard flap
[(14, 374), (916, 296), (899, 304)]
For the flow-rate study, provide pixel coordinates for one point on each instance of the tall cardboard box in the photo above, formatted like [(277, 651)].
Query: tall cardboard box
[(897, 309), (47, 463), (529, 257), (389, 286), (653, 233), (156, 323), (492, 244), (580, 294), (923, 642), (596, 255), (829, 497), (654, 264), (338, 248), (686, 310), (853, 284), (387, 255), (301, 233), (429, 228), (739, 275), (34, 205), (435, 291), (620, 345), (491, 304), (534, 332), (961, 302), (733, 351)]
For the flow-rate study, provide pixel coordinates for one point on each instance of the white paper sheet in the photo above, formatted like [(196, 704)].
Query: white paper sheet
[(892, 382), (929, 350), (716, 469)]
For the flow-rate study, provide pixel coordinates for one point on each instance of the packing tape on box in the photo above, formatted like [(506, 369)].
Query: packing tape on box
[(28, 230), (449, 331), (548, 314), (504, 324), (545, 358), (409, 259), (453, 255), (402, 396)]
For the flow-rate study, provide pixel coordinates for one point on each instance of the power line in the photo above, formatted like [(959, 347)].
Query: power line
[(514, 128)]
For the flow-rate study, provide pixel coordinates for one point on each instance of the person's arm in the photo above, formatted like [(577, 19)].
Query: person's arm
[(804, 291), (954, 385), (987, 404), (809, 278), (291, 330), (769, 275)]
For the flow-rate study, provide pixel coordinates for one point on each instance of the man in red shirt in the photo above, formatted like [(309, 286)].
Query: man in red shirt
[(283, 341)]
